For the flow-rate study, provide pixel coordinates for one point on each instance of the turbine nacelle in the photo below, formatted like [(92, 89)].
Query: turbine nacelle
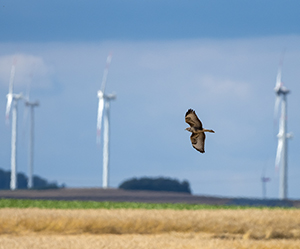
[(287, 135), (101, 95), (18, 96), (111, 96), (281, 90), (33, 104), (14, 96)]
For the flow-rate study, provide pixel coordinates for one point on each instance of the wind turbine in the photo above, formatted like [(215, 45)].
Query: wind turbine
[(30, 105), (281, 155), (104, 105), (264, 180), (12, 100)]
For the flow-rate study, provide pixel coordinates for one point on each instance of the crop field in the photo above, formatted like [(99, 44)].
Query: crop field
[(44, 224)]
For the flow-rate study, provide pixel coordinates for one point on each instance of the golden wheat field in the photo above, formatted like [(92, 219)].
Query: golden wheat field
[(128, 228)]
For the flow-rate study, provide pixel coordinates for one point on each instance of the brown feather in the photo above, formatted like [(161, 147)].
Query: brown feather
[(192, 119), (198, 141)]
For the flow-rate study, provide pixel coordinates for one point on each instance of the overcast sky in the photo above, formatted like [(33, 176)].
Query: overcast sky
[(217, 57)]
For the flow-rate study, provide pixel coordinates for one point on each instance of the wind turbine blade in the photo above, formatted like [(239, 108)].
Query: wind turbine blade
[(11, 80), (278, 78), (8, 105), (100, 114), (278, 85), (25, 117), (28, 88), (105, 73), (10, 90), (278, 153), (280, 142), (27, 99)]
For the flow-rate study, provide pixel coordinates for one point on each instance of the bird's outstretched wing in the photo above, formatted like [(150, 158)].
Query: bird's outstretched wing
[(198, 141), (192, 119)]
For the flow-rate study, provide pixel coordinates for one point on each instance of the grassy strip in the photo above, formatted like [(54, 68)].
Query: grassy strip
[(54, 204)]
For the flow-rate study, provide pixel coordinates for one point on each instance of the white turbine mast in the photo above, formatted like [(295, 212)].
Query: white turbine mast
[(104, 105), (12, 100), (281, 155), (31, 105), (264, 181)]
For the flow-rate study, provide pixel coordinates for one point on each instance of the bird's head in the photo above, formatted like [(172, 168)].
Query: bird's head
[(189, 129)]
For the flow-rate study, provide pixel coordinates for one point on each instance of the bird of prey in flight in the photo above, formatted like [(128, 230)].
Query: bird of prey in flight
[(198, 135)]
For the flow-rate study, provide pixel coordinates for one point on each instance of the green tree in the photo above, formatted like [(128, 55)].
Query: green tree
[(156, 184), (38, 182)]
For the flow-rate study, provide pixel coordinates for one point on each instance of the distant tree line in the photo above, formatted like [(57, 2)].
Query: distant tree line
[(156, 184), (22, 181)]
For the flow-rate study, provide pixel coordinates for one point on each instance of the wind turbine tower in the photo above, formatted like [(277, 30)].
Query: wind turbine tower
[(31, 106), (264, 180), (281, 155), (104, 105), (12, 100)]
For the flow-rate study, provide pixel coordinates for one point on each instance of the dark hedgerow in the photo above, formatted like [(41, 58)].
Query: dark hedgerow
[(156, 184), (22, 180)]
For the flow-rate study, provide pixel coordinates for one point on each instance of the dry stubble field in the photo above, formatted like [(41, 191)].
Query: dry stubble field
[(137, 228)]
